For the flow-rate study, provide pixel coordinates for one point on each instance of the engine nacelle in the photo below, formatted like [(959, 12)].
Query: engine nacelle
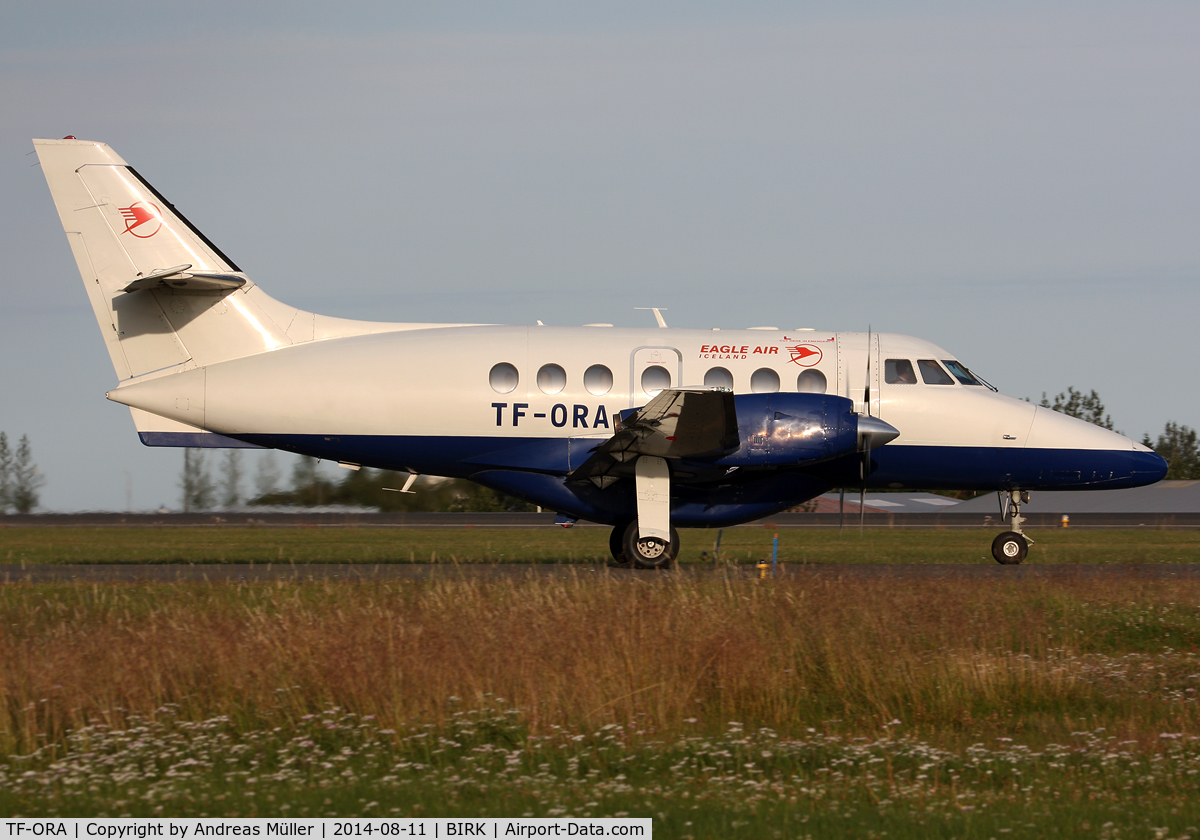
[(780, 430)]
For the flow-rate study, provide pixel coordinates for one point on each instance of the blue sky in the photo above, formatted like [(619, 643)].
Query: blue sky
[(1017, 182)]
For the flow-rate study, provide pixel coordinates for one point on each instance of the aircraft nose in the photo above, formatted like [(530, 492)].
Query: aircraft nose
[(1150, 464), (1090, 456), (1055, 430)]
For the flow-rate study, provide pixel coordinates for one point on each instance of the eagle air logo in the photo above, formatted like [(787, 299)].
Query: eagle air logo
[(805, 355), (142, 219)]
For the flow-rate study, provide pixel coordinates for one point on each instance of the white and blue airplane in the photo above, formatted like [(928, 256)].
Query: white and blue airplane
[(640, 429)]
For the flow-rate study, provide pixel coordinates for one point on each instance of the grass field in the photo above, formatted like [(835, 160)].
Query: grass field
[(721, 706), (24, 545)]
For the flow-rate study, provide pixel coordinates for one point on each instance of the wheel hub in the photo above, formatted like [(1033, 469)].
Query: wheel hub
[(651, 549)]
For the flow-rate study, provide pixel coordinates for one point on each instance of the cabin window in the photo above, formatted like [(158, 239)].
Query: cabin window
[(811, 382), (932, 373), (503, 378), (655, 379), (598, 380), (551, 379), (764, 381), (718, 377), (899, 372), (961, 373)]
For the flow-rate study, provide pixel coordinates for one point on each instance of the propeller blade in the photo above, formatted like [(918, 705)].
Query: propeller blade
[(867, 393), (864, 465), (872, 432), (842, 509)]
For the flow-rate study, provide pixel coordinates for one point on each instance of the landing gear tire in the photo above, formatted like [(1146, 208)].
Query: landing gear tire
[(1009, 548), (650, 553), (616, 546)]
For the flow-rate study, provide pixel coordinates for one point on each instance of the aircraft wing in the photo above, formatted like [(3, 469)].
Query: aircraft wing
[(675, 424)]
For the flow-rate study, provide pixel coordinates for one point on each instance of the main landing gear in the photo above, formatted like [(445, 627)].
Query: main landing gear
[(1011, 547), (630, 550), (650, 541)]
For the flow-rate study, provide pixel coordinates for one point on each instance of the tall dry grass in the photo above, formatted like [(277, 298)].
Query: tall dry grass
[(951, 660)]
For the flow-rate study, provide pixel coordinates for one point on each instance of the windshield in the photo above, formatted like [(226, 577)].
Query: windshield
[(960, 373), (965, 376), (932, 373)]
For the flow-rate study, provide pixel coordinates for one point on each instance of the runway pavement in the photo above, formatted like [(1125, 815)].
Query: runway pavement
[(165, 573), (986, 519)]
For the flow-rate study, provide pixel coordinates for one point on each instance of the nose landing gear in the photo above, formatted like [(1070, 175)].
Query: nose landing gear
[(1011, 547)]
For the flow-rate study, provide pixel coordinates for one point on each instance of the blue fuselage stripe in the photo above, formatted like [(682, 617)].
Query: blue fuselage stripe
[(536, 470)]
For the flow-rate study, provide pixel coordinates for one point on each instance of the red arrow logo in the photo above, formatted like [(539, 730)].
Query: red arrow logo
[(141, 213), (805, 355)]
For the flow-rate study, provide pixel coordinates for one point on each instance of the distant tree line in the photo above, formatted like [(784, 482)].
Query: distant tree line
[(1084, 406), (19, 477), (1177, 443), (1179, 446), (310, 487)]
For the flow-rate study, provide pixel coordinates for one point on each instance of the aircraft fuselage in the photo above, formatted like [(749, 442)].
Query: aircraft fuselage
[(428, 401)]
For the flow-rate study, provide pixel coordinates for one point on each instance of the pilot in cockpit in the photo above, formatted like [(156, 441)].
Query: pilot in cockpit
[(899, 372)]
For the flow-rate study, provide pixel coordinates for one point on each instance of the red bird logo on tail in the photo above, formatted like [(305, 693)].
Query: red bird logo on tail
[(141, 213)]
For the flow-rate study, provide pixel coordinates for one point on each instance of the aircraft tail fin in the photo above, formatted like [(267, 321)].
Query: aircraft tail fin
[(163, 294), (166, 298)]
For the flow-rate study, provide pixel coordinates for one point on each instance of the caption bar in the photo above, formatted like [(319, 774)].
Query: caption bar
[(181, 828)]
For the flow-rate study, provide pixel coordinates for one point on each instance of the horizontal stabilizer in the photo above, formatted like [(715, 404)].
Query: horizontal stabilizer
[(194, 440), (162, 431), (180, 277)]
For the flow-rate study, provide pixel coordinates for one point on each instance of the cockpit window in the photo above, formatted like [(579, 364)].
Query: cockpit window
[(932, 373), (961, 373), (899, 372)]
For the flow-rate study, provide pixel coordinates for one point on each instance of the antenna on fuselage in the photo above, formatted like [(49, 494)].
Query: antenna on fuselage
[(658, 311)]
